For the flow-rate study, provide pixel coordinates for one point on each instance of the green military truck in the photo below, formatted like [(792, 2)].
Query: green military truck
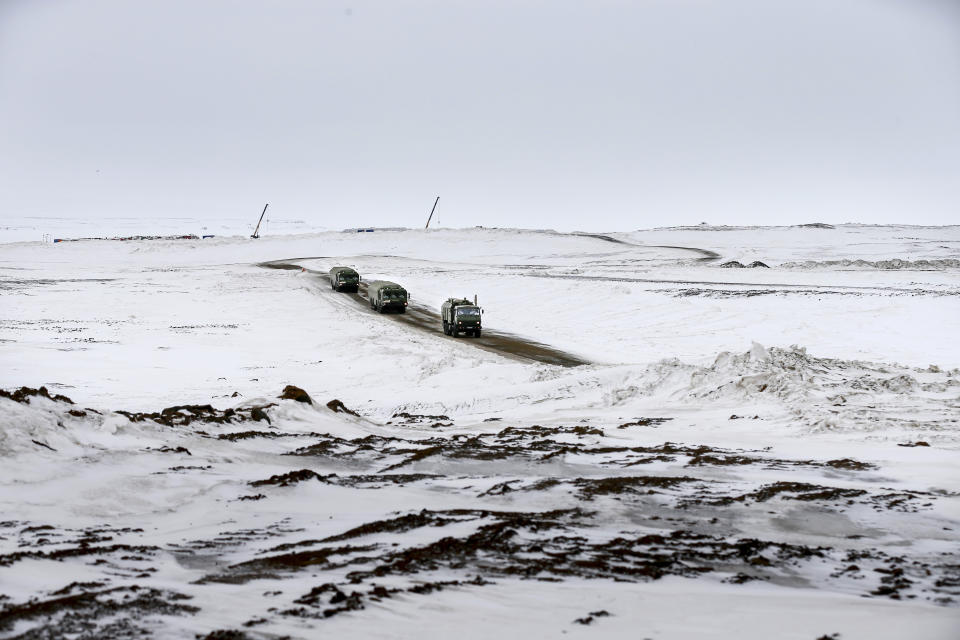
[(461, 316), (387, 296), (344, 279)]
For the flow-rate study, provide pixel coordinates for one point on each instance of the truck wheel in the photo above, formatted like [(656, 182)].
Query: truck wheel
[(476, 334)]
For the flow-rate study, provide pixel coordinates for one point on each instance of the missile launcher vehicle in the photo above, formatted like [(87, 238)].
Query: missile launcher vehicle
[(344, 279), (387, 296)]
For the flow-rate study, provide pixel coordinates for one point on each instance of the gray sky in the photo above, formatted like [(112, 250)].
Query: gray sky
[(590, 115)]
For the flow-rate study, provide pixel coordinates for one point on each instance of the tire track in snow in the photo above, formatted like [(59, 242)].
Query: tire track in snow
[(707, 255), (768, 285), (427, 320)]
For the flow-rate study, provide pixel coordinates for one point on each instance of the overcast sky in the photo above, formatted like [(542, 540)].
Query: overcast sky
[(588, 115)]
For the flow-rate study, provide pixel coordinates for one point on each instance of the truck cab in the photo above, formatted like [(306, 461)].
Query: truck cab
[(461, 316)]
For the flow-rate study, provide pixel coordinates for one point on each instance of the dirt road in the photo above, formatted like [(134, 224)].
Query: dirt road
[(705, 254), (428, 320)]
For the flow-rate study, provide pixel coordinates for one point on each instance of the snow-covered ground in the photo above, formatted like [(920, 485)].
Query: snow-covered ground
[(48, 228), (741, 448)]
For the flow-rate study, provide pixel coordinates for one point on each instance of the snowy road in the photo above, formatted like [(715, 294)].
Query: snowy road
[(428, 320)]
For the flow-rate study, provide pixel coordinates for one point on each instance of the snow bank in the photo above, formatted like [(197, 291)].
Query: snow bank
[(891, 264)]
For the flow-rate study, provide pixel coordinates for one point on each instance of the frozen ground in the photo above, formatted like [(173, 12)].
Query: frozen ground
[(46, 228), (740, 447)]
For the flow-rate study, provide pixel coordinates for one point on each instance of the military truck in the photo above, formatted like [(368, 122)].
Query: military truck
[(387, 296), (461, 316), (344, 279)]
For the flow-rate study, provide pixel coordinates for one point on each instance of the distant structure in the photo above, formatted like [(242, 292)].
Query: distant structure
[(256, 232), (372, 229)]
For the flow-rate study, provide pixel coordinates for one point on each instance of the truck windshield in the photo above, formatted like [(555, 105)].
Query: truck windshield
[(473, 311), (392, 295)]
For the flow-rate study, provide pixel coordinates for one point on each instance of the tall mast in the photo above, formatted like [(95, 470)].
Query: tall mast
[(256, 232), (431, 212)]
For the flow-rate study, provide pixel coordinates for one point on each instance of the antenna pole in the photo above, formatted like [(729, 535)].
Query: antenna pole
[(431, 212), (256, 232)]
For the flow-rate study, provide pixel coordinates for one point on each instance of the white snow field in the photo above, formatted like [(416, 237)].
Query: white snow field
[(739, 452)]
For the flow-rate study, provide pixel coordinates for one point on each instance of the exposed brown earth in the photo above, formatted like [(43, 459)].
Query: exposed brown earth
[(538, 503)]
